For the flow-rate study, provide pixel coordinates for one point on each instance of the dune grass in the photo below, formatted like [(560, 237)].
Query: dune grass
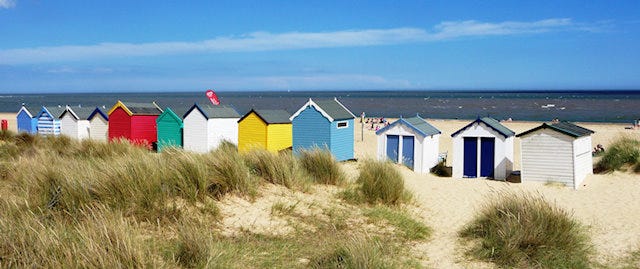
[(624, 152), (282, 169), (87, 204), (405, 226), (380, 182), (322, 167), (525, 231)]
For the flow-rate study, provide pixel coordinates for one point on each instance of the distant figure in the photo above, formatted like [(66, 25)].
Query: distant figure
[(555, 120)]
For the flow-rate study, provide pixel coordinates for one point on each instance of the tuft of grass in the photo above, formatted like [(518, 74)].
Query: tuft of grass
[(357, 252), (322, 167), (624, 151), (381, 183), (230, 173), (193, 248), (524, 231), (283, 208), (282, 169), (406, 227)]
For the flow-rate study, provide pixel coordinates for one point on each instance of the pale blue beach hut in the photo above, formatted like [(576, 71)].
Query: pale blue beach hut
[(26, 121), (324, 124), (49, 121)]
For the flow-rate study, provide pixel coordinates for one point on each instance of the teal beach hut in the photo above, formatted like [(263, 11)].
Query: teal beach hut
[(324, 124), (27, 123), (169, 129)]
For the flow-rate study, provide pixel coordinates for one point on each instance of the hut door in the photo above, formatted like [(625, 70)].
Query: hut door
[(393, 143), (407, 151), (487, 156), (470, 161)]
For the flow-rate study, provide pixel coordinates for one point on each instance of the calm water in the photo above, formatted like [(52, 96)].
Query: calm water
[(593, 106)]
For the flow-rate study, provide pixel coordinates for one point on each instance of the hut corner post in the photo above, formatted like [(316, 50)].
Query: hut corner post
[(362, 126)]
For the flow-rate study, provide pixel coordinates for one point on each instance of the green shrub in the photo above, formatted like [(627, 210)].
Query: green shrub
[(381, 183), (523, 230), (322, 167), (624, 151), (282, 169)]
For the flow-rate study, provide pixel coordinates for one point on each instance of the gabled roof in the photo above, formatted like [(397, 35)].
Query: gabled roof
[(564, 127), (137, 108), (168, 111), (270, 116), (330, 109), (26, 110), (54, 111), (492, 123), (98, 112), (79, 113), (210, 111), (416, 123)]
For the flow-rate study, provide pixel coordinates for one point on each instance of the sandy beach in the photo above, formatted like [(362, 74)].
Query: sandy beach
[(608, 204)]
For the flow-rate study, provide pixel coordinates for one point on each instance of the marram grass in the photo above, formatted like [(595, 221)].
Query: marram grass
[(525, 231)]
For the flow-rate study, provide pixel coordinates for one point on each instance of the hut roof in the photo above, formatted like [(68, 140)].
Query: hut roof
[(330, 109), (212, 112), (79, 113), (138, 108), (270, 116), (27, 110), (416, 123), (492, 123), (564, 127), (98, 112), (55, 111)]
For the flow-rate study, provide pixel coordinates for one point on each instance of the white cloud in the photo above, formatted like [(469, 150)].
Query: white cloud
[(7, 3), (265, 41)]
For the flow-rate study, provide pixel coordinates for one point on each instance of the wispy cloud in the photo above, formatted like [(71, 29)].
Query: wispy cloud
[(7, 3), (265, 41)]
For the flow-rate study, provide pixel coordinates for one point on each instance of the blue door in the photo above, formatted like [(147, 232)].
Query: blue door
[(487, 156), (470, 161), (407, 151), (393, 144)]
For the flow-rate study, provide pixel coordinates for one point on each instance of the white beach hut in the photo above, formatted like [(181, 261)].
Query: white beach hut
[(557, 152), (412, 142), (483, 148), (99, 125), (205, 126), (74, 122)]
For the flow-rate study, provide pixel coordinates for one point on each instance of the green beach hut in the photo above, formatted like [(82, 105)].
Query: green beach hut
[(169, 129)]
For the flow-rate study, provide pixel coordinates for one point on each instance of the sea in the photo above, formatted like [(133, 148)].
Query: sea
[(581, 106)]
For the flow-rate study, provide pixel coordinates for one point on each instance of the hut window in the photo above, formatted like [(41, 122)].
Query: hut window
[(343, 124)]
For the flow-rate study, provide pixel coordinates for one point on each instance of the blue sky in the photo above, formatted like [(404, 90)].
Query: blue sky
[(98, 46)]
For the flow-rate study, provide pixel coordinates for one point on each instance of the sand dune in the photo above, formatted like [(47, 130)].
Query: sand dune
[(608, 204)]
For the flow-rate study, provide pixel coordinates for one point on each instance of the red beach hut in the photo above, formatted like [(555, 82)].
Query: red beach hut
[(135, 122)]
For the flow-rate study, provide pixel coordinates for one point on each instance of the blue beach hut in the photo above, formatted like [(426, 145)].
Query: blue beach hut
[(49, 121), (324, 124), (26, 121)]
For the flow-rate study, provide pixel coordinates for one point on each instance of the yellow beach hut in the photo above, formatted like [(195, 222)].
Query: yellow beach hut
[(266, 129)]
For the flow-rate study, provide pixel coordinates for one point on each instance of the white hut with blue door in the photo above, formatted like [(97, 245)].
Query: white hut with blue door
[(483, 148), (326, 124), (558, 152), (48, 120), (412, 141), (26, 121)]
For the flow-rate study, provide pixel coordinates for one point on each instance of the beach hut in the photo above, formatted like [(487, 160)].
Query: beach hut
[(169, 129), (135, 122), (412, 142), (98, 125), (557, 152), (267, 129), (206, 126), (74, 122), (483, 148), (49, 120), (26, 121), (325, 124)]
